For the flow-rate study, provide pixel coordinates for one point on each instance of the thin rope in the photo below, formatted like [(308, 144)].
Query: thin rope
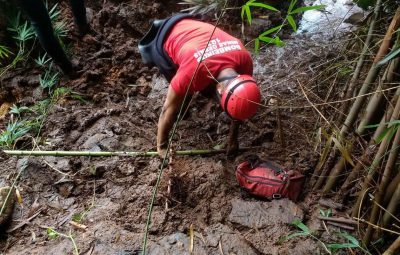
[(155, 190)]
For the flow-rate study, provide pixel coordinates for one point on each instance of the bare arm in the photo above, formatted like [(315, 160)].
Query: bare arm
[(167, 118)]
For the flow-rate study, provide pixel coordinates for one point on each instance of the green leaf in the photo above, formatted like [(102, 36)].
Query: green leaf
[(292, 23), (394, 53), (292, 4), (301, 226), (265, 6), (349, 237), (51, 233), (279, 42), (308, 8), (294, 235), (390, 123), (77, 217), (266, 39), (337, 246), (248, 14), (270, 31), (257, 45), (343, 151)]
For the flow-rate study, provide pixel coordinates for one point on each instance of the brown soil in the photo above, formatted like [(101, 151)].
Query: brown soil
[(124, 100)]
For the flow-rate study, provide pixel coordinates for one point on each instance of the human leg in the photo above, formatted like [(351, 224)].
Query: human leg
[(40, 20), (79, 12)]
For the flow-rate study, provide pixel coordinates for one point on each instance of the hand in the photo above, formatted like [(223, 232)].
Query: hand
[(162, 149), (161, 152)]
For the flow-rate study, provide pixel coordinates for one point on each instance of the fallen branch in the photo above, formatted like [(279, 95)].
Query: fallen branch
[(114, 153), (339, 225), (338, 220)]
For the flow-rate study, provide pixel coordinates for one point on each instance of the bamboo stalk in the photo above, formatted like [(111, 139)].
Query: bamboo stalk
[(360, 62), (113, 153), (378, 158), (371, 76), (365, 88), (392, 207), (382, 186), (364, 159), (378, 97), (352, 84), (392, 188), (393, 248), (371, 111)]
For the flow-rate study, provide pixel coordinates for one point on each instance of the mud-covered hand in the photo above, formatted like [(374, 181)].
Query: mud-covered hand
[(232, 145)]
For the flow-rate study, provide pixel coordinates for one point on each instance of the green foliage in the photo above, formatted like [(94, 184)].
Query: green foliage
[(14, 130), (352, 242), (393, 54), (246, 12), (42, 60), (365, 4), (19, 110), (4, 52), (270, 36), (326, 213), (63, 91), (49, 79), (389, 131), (52, 234), (203, 6)]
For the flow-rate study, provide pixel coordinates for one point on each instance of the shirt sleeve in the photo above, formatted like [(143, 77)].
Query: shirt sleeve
[(180, 83)]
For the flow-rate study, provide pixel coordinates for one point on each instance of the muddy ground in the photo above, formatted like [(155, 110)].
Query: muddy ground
[(123, 101)]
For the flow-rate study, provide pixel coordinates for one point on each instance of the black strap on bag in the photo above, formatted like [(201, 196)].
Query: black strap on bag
[(151, 46)]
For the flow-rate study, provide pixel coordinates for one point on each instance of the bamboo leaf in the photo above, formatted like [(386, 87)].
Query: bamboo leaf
[(278, 42), (301, 226), (294, 235), (390, 123), (337, 246), (343, 151), (308, 8), (248, 15), (292, 4), (388, 132), (270, 31), (292, 23), (257, 45), (266, 39), (349, 237), (265, 6), (394, 53)]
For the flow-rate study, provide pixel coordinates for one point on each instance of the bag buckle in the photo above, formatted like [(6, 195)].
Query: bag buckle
[(276, 196)]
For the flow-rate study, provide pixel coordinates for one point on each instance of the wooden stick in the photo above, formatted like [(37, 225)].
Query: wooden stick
[(115, 153), (338, 220), (339, 225)]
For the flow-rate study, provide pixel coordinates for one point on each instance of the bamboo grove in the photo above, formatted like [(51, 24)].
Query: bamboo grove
[(359, 163)]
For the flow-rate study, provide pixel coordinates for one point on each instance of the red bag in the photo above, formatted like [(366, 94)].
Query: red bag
[(269, 180)]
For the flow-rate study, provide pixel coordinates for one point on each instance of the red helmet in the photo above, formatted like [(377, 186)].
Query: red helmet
[(241, 97)]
